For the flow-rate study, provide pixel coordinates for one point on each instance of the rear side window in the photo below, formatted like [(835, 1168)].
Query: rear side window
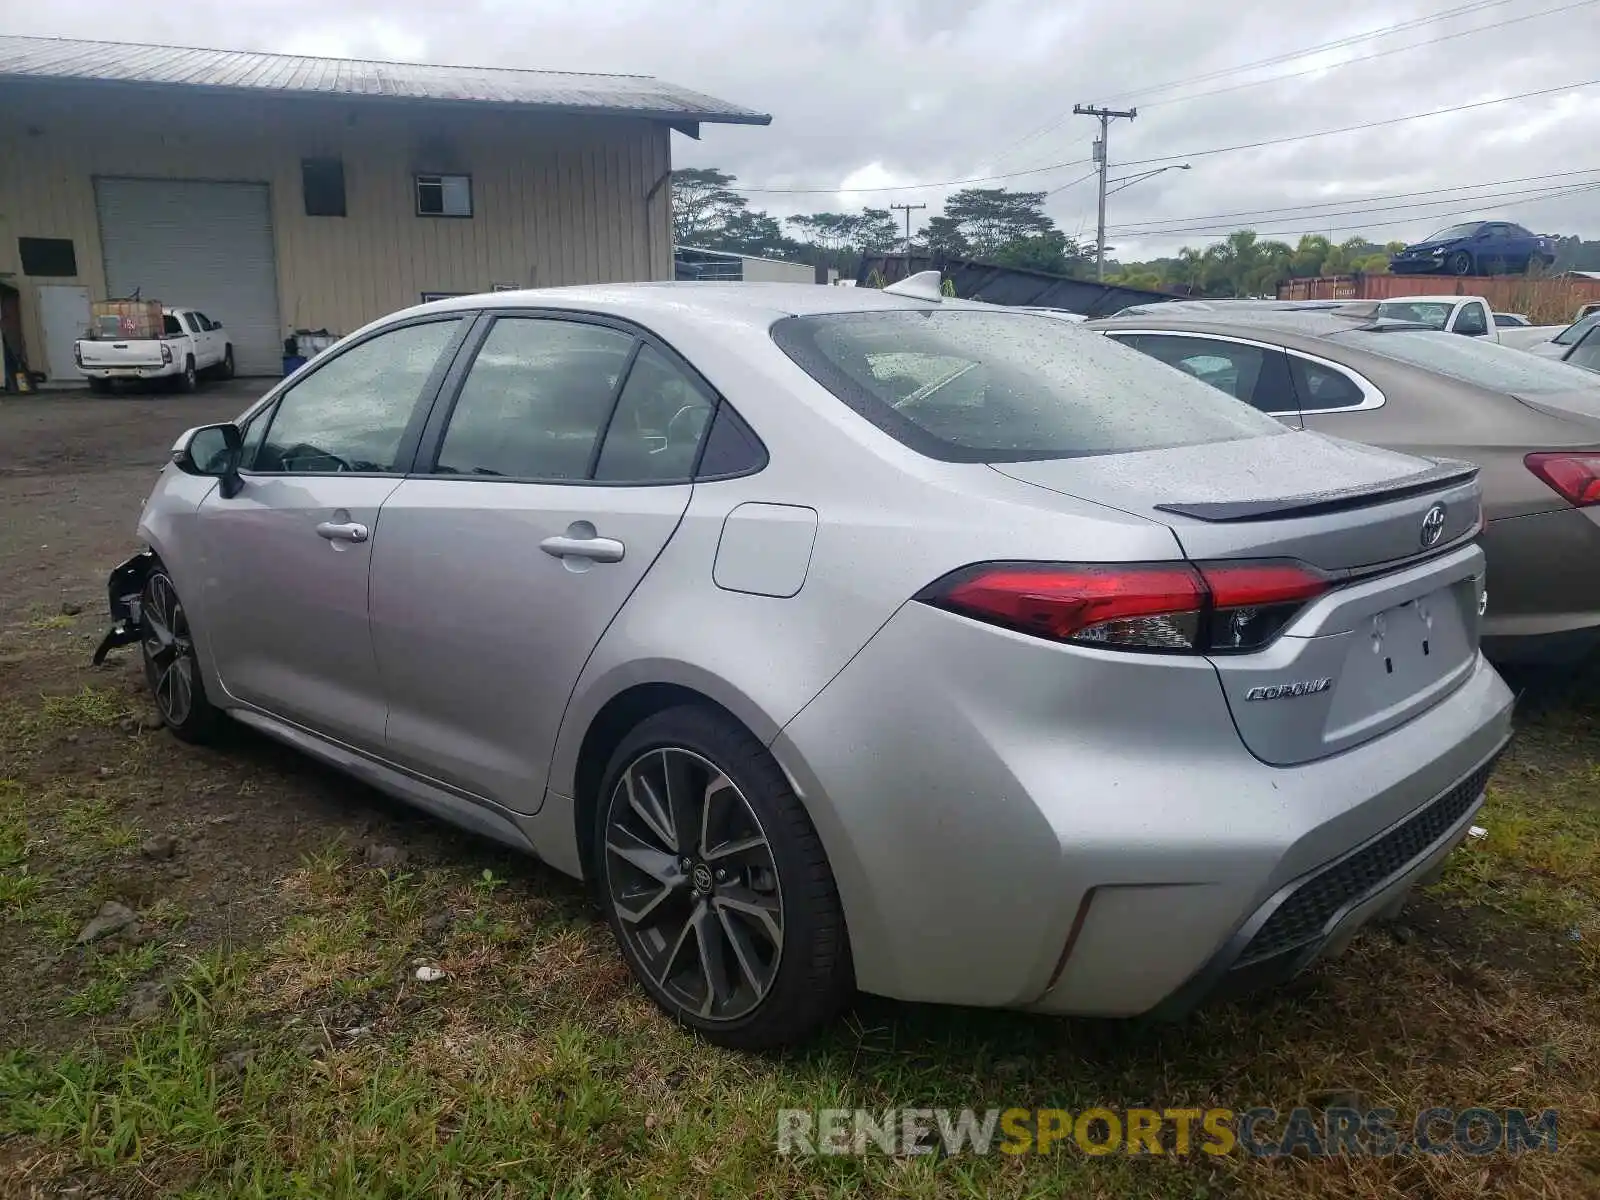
[(1471, 321), (969, 386), (1255, 374), (655, 433), (536, 401), (1322, 388)]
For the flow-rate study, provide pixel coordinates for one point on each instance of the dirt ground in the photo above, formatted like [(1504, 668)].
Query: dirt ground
[(74, 471), (253, 1025)]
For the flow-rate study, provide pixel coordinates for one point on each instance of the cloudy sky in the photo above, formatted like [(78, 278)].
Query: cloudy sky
[(910, 94)]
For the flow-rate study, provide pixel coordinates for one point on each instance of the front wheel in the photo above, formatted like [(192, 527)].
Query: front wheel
[(166, 644), (716, 885), (1459, 263), (190, 378)]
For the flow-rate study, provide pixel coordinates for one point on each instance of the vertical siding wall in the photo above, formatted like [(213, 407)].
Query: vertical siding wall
[(556, 200)]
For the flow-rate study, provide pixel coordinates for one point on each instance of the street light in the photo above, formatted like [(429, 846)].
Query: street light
[(1129, 180)]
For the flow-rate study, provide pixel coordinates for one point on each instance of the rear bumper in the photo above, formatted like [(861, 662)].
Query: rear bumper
[(1318, 914), (1018, 824), (132, 371)]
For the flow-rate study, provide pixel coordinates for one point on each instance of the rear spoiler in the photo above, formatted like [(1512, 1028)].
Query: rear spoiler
[(1444, 474)]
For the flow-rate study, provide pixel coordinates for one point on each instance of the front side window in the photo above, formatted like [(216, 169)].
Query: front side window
[(968, 386), (1572, 334), (351, 413), (444, 195), (536, 401), (1586, 354), (1453, 232)]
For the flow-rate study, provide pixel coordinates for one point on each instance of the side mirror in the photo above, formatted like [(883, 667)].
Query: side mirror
[(212, 451), (216, 324)]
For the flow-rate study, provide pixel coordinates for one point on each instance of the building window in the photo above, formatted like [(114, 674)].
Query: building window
[(444, 195), (323, 184), (47, 256)]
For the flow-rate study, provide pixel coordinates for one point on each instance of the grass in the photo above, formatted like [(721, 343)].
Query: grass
[(310, 1061)]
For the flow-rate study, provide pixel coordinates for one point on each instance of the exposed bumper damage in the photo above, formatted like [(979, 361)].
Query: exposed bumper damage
[(123, 589)]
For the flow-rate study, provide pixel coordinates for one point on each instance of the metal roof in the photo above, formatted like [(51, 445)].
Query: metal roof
[(252, 71)]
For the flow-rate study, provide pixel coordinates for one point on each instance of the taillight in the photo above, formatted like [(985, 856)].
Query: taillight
[(1206, 608), (1575, 476), (166, 353)]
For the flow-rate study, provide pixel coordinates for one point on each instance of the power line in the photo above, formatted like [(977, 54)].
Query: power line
[(1081, 178), (1336, 44), (1289, 56), (1365, 225), (1295, 208), (906, 187), (1460, 33), (1289, 215), (1321, 133), (1161, 158), (1315, 220)]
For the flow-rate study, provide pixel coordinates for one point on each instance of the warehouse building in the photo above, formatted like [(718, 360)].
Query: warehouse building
[(280, 193)]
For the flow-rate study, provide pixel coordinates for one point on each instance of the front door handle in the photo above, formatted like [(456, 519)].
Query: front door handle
[(595, 549), (342, 531)]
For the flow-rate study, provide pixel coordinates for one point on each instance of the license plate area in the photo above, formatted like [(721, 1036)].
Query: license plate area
[(1399, 658)]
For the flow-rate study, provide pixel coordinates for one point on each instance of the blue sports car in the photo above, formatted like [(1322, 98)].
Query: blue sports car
[(1476, 248)]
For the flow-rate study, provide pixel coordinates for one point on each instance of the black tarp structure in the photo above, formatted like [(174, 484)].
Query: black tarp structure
[(1013, 286)]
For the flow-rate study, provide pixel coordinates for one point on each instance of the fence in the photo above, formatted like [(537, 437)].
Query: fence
[(1547, 301)]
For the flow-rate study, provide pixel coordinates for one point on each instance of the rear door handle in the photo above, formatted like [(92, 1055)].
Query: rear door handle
[(342, 531), (596, 549)]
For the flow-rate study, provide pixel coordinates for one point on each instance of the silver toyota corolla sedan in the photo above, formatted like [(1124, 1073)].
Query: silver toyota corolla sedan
[(844, 639)]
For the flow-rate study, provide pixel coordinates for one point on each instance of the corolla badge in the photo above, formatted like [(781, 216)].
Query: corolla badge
[(1287, 691), (1432, 526)]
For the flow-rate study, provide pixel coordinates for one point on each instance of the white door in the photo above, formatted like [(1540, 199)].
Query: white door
[(197, 244), (64, 314)]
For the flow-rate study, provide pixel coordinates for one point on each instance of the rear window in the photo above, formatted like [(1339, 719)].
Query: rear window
[(1487, 364), (967, 386), (170, 326)]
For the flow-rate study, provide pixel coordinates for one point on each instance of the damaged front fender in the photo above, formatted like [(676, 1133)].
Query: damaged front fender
[(123, 589)]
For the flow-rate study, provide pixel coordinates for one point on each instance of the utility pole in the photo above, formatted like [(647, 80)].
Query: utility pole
[(1105, 116), (908, 209)]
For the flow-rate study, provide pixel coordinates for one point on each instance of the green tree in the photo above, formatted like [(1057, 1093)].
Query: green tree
[(942, 235), (988, 218), (753, 233), (1054, 252), (703, 205), (1192, 269), (1306, 261)]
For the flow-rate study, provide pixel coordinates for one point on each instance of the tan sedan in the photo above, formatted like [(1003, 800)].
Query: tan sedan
[(1532, 425)]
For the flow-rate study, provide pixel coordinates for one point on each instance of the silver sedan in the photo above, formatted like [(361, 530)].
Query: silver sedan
[(844, 639)]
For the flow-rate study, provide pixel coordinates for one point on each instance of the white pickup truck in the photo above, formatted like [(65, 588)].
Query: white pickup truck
[(190, 343)]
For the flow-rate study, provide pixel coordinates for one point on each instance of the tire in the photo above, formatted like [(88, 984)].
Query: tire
[(225, 368), (771, 915), (171, 670), (190, 379), (1459, 263), (100, 387)]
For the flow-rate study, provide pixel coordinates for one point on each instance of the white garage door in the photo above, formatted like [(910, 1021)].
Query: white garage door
[(202, 245)]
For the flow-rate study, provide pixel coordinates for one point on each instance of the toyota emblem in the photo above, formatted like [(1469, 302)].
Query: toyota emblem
[(1433, 526)]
